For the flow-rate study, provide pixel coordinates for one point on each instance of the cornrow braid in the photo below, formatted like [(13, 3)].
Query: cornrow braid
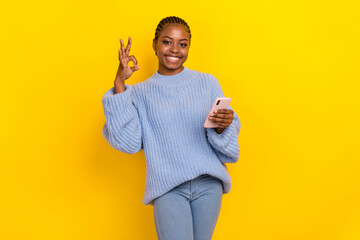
[(169, 20)]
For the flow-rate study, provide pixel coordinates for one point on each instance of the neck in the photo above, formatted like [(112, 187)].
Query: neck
[(169, 72), (182, 77)]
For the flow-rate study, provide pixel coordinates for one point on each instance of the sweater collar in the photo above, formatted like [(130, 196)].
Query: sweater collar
[(172, 79)]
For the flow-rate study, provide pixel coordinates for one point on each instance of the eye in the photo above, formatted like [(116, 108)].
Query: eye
[(183, 44), (166, 42)]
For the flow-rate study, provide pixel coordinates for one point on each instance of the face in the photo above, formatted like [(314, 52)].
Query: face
[(172, 49)]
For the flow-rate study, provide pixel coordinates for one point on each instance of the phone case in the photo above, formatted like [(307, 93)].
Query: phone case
[(220, 103)]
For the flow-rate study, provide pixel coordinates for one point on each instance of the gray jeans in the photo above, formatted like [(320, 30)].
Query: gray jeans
[(190, 210)]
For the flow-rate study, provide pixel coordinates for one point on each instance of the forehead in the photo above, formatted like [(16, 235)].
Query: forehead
[(174, 31)]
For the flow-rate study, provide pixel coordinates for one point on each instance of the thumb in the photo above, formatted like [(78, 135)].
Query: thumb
[(135, 68)]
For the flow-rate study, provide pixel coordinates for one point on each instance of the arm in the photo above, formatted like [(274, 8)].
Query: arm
[(224, 140), (122, 129)]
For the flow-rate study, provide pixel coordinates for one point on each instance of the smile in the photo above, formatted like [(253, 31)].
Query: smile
[(172, 59)]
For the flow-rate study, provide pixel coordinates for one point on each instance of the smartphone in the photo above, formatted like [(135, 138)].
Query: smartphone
[(220, 103)]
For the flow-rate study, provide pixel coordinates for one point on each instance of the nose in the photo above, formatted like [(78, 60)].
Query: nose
[(174, 48)]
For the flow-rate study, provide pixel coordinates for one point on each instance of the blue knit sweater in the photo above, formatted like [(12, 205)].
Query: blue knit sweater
[(164, 115)]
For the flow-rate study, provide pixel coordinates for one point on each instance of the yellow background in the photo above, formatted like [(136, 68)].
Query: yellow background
[(290, 67)]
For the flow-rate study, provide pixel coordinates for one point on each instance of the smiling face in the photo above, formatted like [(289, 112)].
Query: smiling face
[(172, 49)]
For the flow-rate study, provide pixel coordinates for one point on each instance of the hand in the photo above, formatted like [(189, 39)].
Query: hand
[(124, 71), (222, 117)]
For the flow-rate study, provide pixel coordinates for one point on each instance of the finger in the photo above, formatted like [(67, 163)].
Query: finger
[(226, 111), (221, 120), (120, 55), (128, 46), (135, 68), (223, 125), (223, 116), (133, 59), (122, 45), (122, 60), (222, 113)]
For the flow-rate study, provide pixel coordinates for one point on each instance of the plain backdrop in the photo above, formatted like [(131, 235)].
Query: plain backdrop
[(290, 67)]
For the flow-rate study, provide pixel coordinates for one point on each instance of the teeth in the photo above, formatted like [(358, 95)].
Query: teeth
[(173, 58)]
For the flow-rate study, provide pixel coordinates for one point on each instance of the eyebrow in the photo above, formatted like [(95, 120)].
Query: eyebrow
[(180, 39)]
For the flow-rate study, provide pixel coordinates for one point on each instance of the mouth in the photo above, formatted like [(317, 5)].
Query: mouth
[(172, 59)]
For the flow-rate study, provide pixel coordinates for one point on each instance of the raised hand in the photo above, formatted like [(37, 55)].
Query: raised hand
[(124, 71)]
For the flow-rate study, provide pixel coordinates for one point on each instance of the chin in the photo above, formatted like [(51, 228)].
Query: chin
[(174, 68)]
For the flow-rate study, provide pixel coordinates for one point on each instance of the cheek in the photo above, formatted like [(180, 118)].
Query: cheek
[(185, 53), (162, 50)]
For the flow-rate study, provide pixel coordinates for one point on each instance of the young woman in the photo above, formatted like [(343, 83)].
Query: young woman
[(186, 173)]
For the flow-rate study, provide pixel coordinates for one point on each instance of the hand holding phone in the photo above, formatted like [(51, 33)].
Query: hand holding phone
[(220, 103)]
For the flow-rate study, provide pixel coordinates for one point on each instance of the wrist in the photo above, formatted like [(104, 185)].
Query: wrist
[(219, 130), (119, 79), (119, 87)]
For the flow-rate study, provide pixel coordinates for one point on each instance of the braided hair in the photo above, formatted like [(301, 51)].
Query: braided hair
[(169, 20)]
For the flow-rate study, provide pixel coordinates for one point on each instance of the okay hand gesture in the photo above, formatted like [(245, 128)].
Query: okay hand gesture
[(124, 71)]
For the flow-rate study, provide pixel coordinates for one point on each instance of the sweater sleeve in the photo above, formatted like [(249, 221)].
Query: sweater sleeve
[(226, 144), (122, 129)]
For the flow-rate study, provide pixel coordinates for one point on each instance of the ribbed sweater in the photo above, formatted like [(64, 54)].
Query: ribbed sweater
[(164, 115)]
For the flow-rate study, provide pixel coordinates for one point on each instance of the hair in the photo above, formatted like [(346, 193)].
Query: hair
[(169, 20)]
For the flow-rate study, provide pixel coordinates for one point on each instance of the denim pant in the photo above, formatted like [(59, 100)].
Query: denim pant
[(190, 210)]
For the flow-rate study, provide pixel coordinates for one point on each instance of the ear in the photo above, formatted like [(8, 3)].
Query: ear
[(154, 45)]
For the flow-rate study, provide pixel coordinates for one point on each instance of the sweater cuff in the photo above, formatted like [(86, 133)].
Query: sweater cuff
[(220, 141), (119, 104), (111, 91)]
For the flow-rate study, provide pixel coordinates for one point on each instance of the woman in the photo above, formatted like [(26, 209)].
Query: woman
[(186, 173)]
